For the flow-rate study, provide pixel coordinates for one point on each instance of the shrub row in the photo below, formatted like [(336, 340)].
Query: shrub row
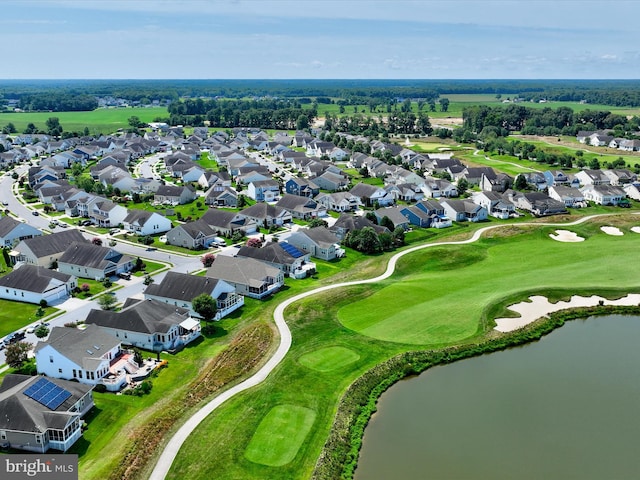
[(339, 455)]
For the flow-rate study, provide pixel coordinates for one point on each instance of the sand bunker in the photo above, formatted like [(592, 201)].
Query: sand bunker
[(538, 306), (566, 236), (612, 231), (635, 229)]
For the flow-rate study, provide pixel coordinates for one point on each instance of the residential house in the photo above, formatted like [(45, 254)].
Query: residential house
[(571, 197), (301, 187), (32, 284), (407, 192), (13, 231), (371, 195), (302, 207), (632, 190), (194, 235), (82, 355), (593, 177), (339, 201), (143, 222), (331, 182), (537, 203), (221, 196), (438, 187), (227, 223), (148, 324), (174, 195), (38, 413), (266, 215), (620, 177), (319, 242), (250, 277), (495, 182), (535, 180), (347, 223), (394, 214), (264, 190), (292, 262), (603, 194), (464, 211), (105, 213), (416, 216), (496, 205), (179, 289), (45, 250), (86, 260)]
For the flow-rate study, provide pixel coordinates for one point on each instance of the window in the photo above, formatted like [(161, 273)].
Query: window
[(3, 435), (75, 374), (50, 358), (59, 370)]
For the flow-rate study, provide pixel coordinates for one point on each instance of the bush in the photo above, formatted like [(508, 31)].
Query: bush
[(100, 388)]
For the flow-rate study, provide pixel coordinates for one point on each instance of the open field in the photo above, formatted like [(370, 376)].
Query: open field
[(465, 293), (16, 315), (102, 120)]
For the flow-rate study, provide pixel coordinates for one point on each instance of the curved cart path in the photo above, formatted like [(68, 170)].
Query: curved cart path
[(170, 451)]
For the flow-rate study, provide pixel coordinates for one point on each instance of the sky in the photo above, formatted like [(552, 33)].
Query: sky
[(320, 39)]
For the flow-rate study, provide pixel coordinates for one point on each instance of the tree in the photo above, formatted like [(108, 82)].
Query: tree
[(318, 222), (386, 222), (107, 301), (398, 236), (242, 201), (254, 242), (444, 104), (237, 236), (371, 217), (85, 287), (302, 122), (463, 186), (148, 280), (17, 354), (42, 331), (135, 122), (53, 126), (207, 259), (520, 183), (97, 241), (205, 306)]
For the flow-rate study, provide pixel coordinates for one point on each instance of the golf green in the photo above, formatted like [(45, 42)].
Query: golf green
[(328, 359), (279, 435)]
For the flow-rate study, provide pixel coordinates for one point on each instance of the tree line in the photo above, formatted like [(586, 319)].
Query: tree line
[(501, 120)]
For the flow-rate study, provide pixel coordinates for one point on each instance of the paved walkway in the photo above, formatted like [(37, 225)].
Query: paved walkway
[(170, 452)]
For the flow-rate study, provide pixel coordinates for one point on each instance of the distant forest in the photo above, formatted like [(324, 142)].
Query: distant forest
[(73, 95)]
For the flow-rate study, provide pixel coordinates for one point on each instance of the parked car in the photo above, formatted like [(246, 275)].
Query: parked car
[(35, 212), (125, 276)]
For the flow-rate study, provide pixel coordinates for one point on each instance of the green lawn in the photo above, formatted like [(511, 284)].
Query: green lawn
[(439, 296), (16, 315), (280, 435), (101, 120)]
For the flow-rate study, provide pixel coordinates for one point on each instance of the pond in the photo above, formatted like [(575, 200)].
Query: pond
[(564, 407)]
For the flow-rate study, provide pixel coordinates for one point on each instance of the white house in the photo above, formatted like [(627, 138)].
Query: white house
[(142, 222), (32, 284), (84, 355), (12, 231), (149, 324)]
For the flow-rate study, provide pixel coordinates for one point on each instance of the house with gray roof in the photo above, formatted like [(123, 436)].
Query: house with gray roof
[(266, 215), (319, 242), (227, 223), (571, 197), (339, 201), (266, 190), (179, 289), (302, 207), (13, 231), (464, 210), (174, 195), (250, 277), (603, 194), (143, 222), (395, 215), (86, 260), (32, 284), (45, 250), (293, 262), (148, 324), (347, 223), (221, 196), (194, 235), (30, 421), (83, 355)]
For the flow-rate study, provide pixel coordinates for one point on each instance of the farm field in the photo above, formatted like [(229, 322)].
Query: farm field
[(101, 120), (362, 326)]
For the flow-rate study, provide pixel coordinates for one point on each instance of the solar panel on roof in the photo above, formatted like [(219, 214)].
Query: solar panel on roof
[(291, 250), (47, 393)]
